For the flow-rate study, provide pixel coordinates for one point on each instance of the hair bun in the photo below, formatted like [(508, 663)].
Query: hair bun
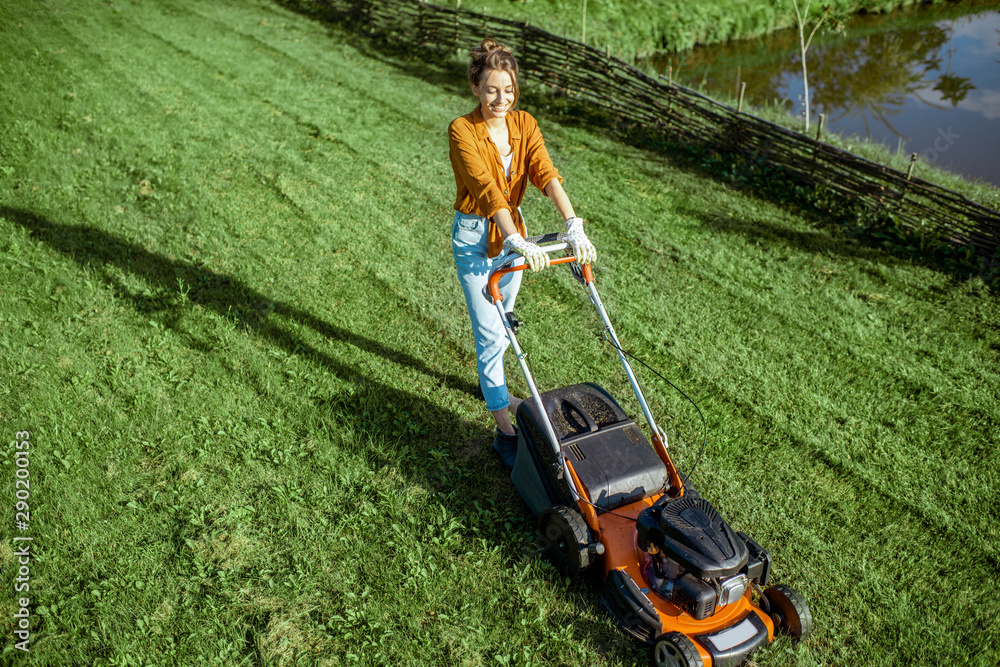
[(489, 45)]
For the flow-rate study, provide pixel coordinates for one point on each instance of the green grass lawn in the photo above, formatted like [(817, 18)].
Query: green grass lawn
[(229, 319)]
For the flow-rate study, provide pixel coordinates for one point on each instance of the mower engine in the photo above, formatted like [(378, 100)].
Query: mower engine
[(697, 561)]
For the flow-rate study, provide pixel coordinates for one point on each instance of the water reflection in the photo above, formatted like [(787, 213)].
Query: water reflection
[(873, 76), (952, 87), (905, 80)]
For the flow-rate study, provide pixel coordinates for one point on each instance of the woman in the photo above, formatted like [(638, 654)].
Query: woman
[(495, 151)]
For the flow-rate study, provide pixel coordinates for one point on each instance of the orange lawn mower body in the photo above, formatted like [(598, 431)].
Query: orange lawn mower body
[(676, 576)]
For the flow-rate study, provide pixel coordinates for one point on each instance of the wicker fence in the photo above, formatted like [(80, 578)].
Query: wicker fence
[(681, 115)]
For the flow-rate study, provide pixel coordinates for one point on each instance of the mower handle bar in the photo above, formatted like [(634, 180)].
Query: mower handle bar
[(556, 241), (491, 291)]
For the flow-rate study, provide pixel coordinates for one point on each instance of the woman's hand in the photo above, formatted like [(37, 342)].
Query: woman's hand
[(583, 249), (536, 258)]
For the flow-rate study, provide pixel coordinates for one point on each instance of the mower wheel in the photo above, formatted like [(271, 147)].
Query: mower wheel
[(674, 650), (564, 536), (789, 611)]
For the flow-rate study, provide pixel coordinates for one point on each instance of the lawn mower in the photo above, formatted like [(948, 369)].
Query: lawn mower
[(675, 575)]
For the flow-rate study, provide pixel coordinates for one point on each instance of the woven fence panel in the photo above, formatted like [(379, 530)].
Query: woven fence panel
[(591, 76)]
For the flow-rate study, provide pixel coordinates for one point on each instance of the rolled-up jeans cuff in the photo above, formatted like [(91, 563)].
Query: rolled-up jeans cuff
[(497, 398)]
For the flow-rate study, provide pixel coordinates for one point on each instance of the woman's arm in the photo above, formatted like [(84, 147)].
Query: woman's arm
[(582, 247), (505, 221), (554, 191)]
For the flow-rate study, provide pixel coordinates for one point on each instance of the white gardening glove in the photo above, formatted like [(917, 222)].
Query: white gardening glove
[(583, 249), (536, 258)]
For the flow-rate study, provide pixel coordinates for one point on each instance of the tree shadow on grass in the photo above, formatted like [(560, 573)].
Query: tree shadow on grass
[(371, 407), (219, 292), (870, 248), (779, 237), (229, 297)]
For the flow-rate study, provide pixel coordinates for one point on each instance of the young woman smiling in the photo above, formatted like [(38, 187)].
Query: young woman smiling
[(495, 152)]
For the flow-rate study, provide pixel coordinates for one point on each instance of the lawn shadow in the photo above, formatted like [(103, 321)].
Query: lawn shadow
[(607, 640), (219, 292), (230, 297), (778, 237)]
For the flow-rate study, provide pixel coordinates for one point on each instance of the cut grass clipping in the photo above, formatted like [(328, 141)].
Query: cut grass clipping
[(230, 322)]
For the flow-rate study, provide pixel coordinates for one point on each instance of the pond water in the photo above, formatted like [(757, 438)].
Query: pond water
[(923, 81)]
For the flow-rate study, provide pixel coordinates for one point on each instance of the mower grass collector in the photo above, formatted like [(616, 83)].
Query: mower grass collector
[(676, 576)]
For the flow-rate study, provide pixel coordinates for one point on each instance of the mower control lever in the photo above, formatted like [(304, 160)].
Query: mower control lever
[(547, 238)]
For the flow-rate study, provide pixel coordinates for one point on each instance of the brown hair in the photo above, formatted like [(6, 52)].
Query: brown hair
[(489, 56)]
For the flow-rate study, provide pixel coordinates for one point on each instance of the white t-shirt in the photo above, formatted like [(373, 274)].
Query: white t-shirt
[(507, 159)]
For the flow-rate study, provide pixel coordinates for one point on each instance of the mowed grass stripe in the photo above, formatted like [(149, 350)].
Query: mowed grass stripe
[(291, 167), (831, 375), (394, 230), (399, 231)]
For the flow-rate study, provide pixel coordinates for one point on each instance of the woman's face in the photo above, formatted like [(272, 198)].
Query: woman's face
[(495, 93)]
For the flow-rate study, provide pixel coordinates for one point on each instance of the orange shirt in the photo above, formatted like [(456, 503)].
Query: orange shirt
[(483, 189)]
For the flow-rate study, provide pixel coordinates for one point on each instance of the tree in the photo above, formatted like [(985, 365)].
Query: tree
[(802, 17)]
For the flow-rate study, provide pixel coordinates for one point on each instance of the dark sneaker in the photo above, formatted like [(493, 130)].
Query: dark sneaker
[(506, 446)]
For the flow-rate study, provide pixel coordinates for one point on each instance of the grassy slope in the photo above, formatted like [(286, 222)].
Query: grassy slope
[(640, 27), (233, 327)]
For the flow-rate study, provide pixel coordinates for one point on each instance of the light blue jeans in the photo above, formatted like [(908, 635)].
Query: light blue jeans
[(469, 245)]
